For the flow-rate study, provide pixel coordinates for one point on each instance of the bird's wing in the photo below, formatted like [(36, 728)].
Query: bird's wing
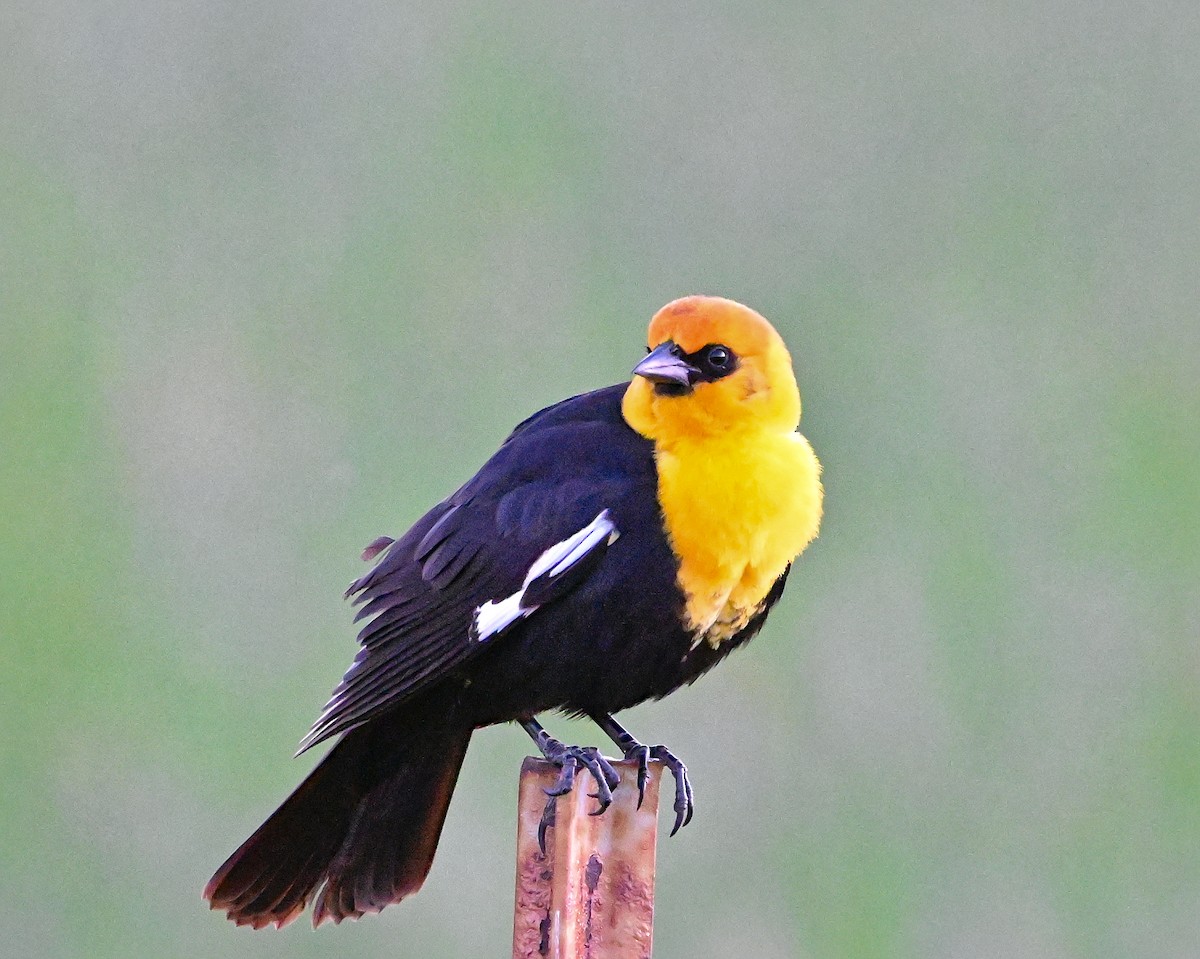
[(531, 525)]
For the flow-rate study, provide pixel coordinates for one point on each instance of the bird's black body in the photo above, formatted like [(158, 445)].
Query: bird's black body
[(614, 640), (606, 634)]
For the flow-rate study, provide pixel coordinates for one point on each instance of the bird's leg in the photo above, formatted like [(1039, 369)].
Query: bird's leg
[(570, 759), (684, 802)]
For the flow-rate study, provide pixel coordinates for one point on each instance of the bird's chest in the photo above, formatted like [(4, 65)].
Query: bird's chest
[(737, 511)]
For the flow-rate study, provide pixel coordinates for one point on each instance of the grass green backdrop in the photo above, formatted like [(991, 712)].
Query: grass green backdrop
[(275, 277)]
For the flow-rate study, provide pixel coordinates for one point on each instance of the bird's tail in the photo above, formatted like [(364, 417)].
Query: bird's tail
[(363, 827)]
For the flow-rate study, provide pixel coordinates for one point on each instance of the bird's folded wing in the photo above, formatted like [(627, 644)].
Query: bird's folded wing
[(527, 529)]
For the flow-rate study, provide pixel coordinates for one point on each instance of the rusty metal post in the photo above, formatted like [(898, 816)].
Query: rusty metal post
[(591, 896)]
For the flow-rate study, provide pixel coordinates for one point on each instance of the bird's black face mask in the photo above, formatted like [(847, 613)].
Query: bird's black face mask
[(675, 373)]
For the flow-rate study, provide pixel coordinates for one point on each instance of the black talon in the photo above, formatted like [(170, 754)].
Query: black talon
[(602, 772), (566, 778), (641, 755), (684, 802), (545, 823)]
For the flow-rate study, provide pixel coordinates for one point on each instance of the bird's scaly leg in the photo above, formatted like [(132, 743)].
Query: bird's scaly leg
[(570, 759), (684, 801)]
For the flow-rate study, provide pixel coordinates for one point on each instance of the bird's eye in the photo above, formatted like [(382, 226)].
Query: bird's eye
[(718, 357)]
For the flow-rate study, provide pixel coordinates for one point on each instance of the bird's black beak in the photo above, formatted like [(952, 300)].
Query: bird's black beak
[(666, 368)]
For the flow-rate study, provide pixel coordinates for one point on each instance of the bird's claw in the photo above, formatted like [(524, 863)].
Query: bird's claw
[(571, 759), (685, 803), (545, 823), (639, 754)]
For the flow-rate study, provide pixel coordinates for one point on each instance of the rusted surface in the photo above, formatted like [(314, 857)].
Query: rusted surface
[(592, 895), (531, 923)]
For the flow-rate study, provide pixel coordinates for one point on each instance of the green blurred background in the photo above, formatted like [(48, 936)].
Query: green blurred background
[(275, 277)]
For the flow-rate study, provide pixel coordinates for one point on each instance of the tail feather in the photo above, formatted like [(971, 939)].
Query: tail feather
[(362, 828), (379, 863)]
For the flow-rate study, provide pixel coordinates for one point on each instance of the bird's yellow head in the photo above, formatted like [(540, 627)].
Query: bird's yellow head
[(714, 366)]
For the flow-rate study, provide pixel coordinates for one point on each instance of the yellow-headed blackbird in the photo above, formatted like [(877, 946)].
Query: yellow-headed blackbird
[(616, 546)]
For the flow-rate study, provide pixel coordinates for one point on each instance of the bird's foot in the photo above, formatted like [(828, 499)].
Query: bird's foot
[(634, 751), (684, 801), (570, 760)]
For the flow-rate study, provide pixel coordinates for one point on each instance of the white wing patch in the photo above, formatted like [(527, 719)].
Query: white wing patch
[(497, 615)]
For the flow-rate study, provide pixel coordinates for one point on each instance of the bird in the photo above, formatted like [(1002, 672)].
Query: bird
[(617, 546)]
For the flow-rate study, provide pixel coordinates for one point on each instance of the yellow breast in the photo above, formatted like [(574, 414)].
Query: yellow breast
[(738, 509)]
